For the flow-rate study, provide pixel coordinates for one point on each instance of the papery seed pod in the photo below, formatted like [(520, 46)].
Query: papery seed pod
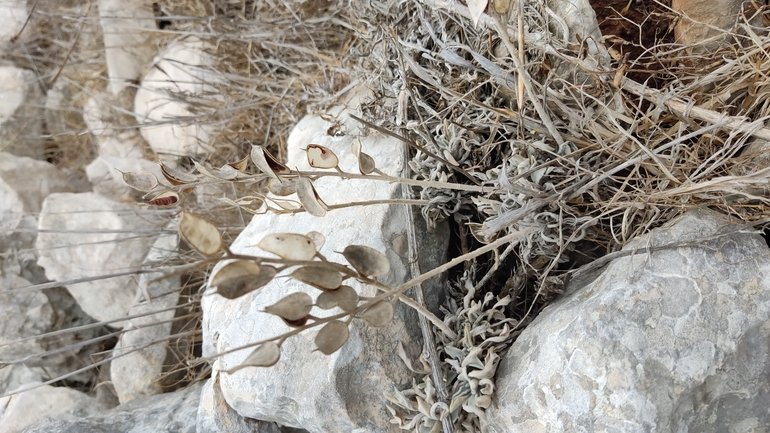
[(294, 306), (367, 261), (289, 246), (282, 187), (202, 235), (296, 323), (176, 177), (168, 198), (309, 198), (318, 239), (379, 314), (345, 297), (240, 165), (266, 355), (140, 180), (287, 205), (321, 157), (319, 277), (265, 162), (240, 277), (332, 337)]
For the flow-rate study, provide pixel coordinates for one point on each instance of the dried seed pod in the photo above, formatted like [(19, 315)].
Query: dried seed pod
[(202, 235), (204, 171), (296, 323), (294, 306), (309, 198), (366, 164), (140, 180), (168, 198), (240, 277), (226, 172), (318, 239), (266, 355), (176, 177), (289, 246), (367, 261), (332, 337), (502, 6), (319, 277), (288, 205), (240, 165), (379, 314), (265, 162), (321, 157), (282, 187), (345, 297)]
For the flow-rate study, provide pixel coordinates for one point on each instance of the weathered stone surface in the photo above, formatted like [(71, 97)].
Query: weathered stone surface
[(34, 180), (126, 26), (90, 236), (306, 389), (166, 413), (675, 340), (141, 350), (20, 411), (24, 314), (181, 70), (704, 22), (21, 113), (13, 14), (215, 416)]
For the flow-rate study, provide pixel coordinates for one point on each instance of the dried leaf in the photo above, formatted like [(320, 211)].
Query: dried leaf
[(321, 157), (266, 355), (319, 277), (176, 177), (240, 277), (202, 235), (345, 297), (332, 337), (168, 198), (240, 165), (140, 180), (294, 306), (318, 239), (282, 187), (476, 8), (379, 314), (309, 198), (450, 159), (367, 261), (289, 246), (265, 162)]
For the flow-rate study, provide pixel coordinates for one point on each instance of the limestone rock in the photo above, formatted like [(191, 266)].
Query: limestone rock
[(126, 26), (306, 389), (673, 340), (141, 350), (704, 22), (21, 113), (215, 416), (20, 411), (88, 236), (180, 72), (165, 413), (25, 314)]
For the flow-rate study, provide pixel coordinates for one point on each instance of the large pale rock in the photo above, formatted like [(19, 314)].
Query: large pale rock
[(21, 113), (705, 21), (140, 352), (25, 314), (13, 14), (166, 413), (126, 25), (306, 389), (86, 235), (181, 72), (670, 341), (215, 416), (20, 411)]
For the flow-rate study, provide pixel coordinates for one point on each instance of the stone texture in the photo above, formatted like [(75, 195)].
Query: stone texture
[(13, 14), (126, 25), (215, 416), (704, 20), (141, 350), (181, 71), (306, 389), (21, 113), (90, 236), (166, 413), (20, 411), (25, 314), (672, 341)]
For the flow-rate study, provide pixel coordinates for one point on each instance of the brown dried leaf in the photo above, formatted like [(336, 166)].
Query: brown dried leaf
[(140, 180), (289, 246), (266, 355), (168, 198), (345, 297), (309, 198), (367, 261), (379, 314), (202, 235), (321, 157), (291, 307), (319, 277), (265, 162), (240, 277), (176, 177), (332, 337)]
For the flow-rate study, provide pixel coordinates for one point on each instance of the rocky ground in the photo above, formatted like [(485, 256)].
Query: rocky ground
[(563, 203)]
